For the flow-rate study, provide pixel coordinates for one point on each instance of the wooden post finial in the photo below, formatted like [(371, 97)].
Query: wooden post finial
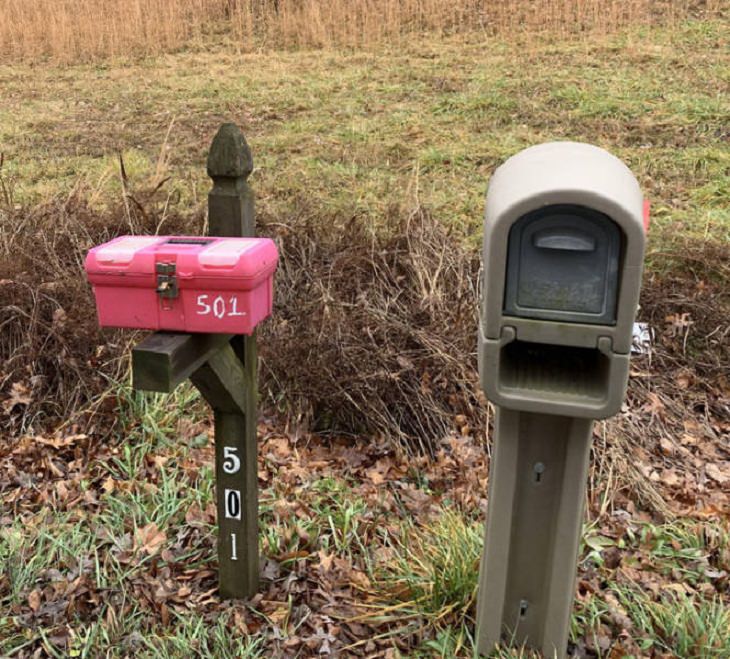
[(230, 202), (229, 155)]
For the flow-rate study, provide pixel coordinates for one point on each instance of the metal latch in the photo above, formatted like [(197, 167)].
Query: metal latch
[(166, 280)]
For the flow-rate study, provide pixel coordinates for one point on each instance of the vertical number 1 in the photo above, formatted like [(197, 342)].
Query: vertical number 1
[(234, 556)]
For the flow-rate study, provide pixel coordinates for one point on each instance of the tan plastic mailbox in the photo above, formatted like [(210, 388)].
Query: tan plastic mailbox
[(564, 237)]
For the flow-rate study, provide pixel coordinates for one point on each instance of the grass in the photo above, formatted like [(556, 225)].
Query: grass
[(434, 568), (335, 135), (422, 570), (679, 624), (357, 134)]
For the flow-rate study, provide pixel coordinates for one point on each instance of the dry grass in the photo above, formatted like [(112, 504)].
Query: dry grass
[(375, 329), (86, 29), (373, 333)]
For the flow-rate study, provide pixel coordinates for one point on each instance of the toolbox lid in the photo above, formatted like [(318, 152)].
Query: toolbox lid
[(189, 258), (121, 251), (226, 253)]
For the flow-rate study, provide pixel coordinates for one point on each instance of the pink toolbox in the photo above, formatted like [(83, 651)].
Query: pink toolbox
[(183, 283)]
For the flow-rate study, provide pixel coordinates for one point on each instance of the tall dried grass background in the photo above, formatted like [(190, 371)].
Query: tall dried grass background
[(71, 30)]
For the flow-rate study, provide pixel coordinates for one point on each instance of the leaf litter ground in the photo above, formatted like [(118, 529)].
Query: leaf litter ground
[(108, 529)]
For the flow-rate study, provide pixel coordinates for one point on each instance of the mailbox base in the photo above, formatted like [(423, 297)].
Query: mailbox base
[(536, 501)]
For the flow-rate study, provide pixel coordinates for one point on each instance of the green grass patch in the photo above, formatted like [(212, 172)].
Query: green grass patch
[(435, 567), (358, 134)]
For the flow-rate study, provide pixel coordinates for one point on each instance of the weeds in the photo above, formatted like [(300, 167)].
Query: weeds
[(680, 624), (434, 568)]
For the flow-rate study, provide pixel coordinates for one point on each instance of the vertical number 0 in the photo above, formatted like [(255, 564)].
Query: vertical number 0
[(231, 462), (233, 504)]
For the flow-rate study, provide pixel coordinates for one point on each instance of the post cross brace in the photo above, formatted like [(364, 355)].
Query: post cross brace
[(163, 360)]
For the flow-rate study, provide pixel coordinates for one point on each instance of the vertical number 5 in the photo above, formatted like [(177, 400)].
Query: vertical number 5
[(231, 461)]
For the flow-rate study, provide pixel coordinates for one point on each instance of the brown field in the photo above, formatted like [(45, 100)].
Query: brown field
[(82, 29)]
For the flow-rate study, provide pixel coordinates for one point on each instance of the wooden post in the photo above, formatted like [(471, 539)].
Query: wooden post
[(223, 368), (231, 213)]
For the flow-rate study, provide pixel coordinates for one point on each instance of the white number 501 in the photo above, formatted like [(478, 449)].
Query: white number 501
[(218, 306), (231, 461)]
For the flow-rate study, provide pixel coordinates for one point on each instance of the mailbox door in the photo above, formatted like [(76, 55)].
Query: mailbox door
[(562, 264)]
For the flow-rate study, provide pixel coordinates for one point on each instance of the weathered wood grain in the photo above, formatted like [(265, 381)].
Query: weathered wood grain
[(230, 377), (163, 360)]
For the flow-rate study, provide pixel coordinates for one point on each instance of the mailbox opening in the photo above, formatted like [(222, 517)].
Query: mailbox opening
[(551, 369)]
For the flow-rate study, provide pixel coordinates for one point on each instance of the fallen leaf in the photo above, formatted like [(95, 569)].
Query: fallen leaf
[(59, 318), (279, 615), (19, 395), (149, 538), (685, 380), (670, 477), (678, 322), (325, 560), (654, 404), (719, 474), (666, 446), (271, 571), (34, 600), (375, 476)]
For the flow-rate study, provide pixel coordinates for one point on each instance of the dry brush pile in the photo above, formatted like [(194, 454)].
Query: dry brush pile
[(374, 331), (54, 360)]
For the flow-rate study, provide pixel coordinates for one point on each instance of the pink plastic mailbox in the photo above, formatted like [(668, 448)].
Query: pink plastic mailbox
[(183, 283)]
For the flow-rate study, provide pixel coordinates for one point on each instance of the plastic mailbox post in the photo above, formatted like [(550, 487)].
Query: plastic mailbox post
[(563, 255)]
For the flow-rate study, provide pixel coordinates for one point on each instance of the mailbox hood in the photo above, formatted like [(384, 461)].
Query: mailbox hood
[(567, 175)]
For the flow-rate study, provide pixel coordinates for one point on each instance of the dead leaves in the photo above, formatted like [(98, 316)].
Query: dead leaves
[(149, 539), (20, 395), (678, 323), (34, 600), (719, 472)]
